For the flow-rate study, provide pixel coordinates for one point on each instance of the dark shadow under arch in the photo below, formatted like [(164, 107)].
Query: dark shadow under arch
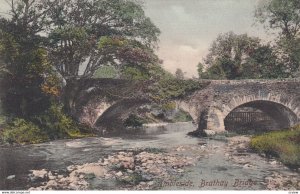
[(260, 115)]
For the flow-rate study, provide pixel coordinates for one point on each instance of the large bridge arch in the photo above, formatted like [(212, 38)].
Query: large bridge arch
[(287, 108)]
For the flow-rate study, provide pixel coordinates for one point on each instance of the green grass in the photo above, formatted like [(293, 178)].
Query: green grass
[(285, 145)]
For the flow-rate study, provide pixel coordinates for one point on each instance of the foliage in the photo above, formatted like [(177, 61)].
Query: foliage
[(280, 15), (282, 144), (106, 72), (289, 53), (200, 69), (44, 40), (182, 116), (29, 85), (283, 17), (264, 64), (57, 124), (134, 121), (133, 73), (111, 32), (179, 74), (168, 106), (233, 56), (50, 125), (21, 131), (28, 81), (169, 88)]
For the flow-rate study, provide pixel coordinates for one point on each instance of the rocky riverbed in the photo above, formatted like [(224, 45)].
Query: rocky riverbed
[(130, 170), (157, 158), (153, 169)]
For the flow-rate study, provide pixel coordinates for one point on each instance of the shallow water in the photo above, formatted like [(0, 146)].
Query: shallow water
[(213, 167)]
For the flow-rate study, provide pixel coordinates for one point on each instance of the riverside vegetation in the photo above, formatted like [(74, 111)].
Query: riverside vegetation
[(284, 145)]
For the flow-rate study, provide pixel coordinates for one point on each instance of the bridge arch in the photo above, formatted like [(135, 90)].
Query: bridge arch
[(284, 112)]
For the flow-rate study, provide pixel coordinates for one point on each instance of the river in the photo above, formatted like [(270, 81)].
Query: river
[(217, 163)]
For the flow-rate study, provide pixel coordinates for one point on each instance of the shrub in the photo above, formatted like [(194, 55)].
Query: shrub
[(57, 124), (283, 144), (169, 106), (134, 121), (182, 116), (21, 131), (171, 88)]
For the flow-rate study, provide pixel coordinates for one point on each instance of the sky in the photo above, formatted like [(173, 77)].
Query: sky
[(188, 27)]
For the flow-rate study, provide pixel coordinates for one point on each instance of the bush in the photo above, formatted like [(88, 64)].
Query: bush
[(21, 131), (182, 116), (134, 121), (169, 106), (53, 124), (282, 144), (57, 124), (171, 88)]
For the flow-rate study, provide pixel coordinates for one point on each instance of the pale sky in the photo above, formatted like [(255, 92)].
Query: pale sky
[(188, 27)]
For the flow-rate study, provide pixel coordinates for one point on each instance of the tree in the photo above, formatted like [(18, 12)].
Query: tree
[(283, 16), (179, 74), (200, 69), (263, 64), (113, 32), (233, 56), (28, 81), (228, 52), (82, 35)]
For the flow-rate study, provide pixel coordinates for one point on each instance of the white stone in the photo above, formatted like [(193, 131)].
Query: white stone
[(39, 173), (210, 132), (51, 183), (119, 174), (51, 177), (10, 177), (94, 168), (150, 183)]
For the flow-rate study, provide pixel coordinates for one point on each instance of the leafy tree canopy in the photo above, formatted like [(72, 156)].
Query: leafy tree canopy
[(74, 38), (283, 16), (233, 56), (85, 35), (179, 73)]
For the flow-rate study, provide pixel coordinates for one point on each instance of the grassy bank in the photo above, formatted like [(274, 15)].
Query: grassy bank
[(284, 145)]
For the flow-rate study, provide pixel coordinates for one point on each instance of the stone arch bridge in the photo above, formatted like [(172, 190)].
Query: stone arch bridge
[(209, 107)]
